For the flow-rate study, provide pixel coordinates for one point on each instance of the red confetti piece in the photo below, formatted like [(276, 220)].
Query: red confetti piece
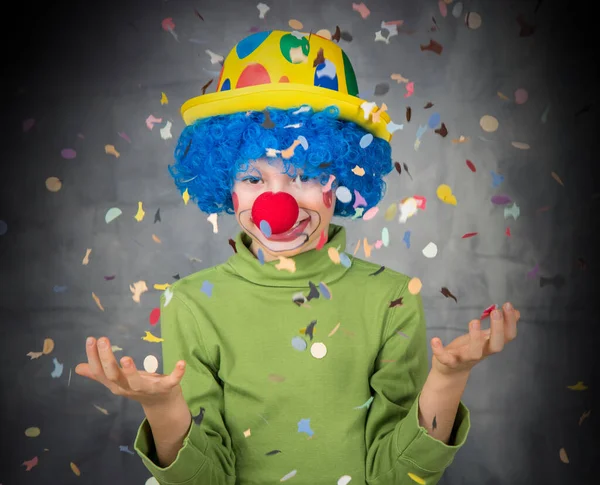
[(487, 311), (470, 234), (471, 166), (508, 231), (154, 316), (322, 240)]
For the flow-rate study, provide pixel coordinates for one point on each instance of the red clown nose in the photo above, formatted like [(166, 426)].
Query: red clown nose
[(280, 210)]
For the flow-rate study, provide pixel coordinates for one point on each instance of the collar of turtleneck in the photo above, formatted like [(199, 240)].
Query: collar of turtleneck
[(314, 265)]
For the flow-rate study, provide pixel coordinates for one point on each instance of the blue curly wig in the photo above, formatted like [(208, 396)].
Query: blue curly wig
[(212, 151)]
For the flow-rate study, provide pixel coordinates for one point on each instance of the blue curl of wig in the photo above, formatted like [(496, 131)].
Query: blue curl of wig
[(212, 151)]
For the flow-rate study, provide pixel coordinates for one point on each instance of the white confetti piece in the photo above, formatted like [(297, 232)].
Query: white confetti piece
[(112, 214), (288, 476), (430, 251), (165, 131), (343, 194), (318, 350), (150, 364), (168, 296), (213, 220), (214, 58), (262, 10), (344, 480)]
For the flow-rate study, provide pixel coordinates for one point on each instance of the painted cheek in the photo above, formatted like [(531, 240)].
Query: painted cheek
[(327, 198), (236, 202)]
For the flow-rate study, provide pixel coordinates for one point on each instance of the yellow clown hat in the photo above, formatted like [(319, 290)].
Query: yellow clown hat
[(284, 70)]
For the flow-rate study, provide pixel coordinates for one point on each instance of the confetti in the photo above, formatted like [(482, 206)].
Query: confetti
[(168, 296), (414, 286), (446, 292), (262, 10), (563, 455), (102, 410), (557, 178), (469, 235), (366, 140), (3, 228), (156, 239), (362, 9), (58, 368), (416, 478), (584, 416), (212, 218), (111, 150), (580, 386), (137, 289), (430, 251), (372, 212), (112, 214), (318, 350), (207, 288), (287, 264), (288, 476), (408, 208), (513, 211), (53, 184), (32, 432), (97, 300), (169, 26), (473, 20), (295, 24), (410, 89), (29, 464), (461, 139), (299, 343), (521, 96), (520, 145), (500, 199), (488, 123), (442, 130), (486, 313), (164, 99), (471, 166), (247, 433), (165, 131), (496, 179), (68, 153), (399, 78), (75, 469), (444, 193), (151, 338), (151, 121), (343, 194), (140, 213), (385, 237), (433, 46), (381, 89), (154, 316), (161, 287), (186, 197), (150, 364), (48, 346)]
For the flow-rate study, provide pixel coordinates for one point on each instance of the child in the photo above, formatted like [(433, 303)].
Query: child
[(301, 362)]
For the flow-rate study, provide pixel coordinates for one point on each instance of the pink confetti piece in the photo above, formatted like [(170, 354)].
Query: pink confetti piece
[(359, 200), (362, 9), (410, 89), (421, 202), (151, 120), (28, 124), (168, 24), (443, 8), (68, 153), (378, 244), (372, 212), (486, 313), (124, 136), (394, 22)]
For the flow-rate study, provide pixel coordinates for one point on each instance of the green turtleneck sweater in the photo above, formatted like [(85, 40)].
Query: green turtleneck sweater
[(315, 389)]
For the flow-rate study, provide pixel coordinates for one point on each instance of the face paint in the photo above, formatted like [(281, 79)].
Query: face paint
[(328, 198), (236, 202)]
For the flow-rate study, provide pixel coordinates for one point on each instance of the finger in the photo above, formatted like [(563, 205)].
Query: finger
[(84, 370), (476, 341), (94, 360), (109, 363), (496, 341), (176, 375), (510, 322), (131, 373), (442, 354)]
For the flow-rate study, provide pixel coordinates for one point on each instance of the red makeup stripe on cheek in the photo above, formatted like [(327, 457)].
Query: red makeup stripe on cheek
[(236, 202), (328, 198)]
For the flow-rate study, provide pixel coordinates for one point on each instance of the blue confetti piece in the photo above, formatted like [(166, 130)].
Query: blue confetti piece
[(299, 344), (303, 141), (366, 140), (125, 449), (366, 405), (3, 228), (59, 289), (265, 228), (345, 260), (58, 369), (421, 131), (434, 120), (406, 239), (207, 287), (261, 256), (324, 291), (304, 427), (496, 179)]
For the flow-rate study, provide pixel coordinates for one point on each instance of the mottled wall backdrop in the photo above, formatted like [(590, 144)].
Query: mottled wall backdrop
[(500, 143)]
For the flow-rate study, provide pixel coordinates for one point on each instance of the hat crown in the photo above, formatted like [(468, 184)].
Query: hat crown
[(276, 56)]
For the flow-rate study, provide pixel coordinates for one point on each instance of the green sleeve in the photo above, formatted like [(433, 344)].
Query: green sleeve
[(399, 450), (206, 457)]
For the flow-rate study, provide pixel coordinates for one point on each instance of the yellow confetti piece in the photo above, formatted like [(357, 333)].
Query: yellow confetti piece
[(390, 212), (295, 24), (502, 96), (247, 433), (86, 258), (335, 329), (563, 455), (155, 239), (416, 478), (287, 264), (357, 248), (151, 338), (97, 300), (115, 348), (161, 287), (578, 387), (53, 184), (444, 193), (164, 99), (32, 432), (414, 286), (111, 150), (75, 469), (303, 331), (186, 197), (140, 213), (367, 248), (557, 178), (48, 346), (334, 255), (358, 171), (102, 410), (585, 415)]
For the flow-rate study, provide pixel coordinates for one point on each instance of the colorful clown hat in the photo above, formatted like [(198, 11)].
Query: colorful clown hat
[(284, 70)]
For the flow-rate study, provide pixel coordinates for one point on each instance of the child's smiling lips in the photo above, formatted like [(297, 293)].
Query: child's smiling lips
[(293, 233)]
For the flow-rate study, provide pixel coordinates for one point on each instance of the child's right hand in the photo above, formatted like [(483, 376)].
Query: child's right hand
[(148, 389)]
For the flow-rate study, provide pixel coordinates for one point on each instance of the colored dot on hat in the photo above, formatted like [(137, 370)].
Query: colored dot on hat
[(247, 46)]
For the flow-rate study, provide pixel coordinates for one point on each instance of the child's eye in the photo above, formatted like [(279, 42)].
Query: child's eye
[(251, 180), (301, 178)]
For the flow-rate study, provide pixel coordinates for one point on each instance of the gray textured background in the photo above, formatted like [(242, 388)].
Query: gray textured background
[(95, 69)]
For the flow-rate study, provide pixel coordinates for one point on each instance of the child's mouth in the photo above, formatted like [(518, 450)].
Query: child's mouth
[(293, 233)]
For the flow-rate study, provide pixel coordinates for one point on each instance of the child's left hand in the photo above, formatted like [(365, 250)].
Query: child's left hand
[(461, 355)]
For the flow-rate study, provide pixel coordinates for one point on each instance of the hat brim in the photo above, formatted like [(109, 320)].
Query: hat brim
[(284, 96)]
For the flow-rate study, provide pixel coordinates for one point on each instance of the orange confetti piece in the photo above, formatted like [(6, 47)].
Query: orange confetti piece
[(461, 139), (376, 116), (48, 346), (557, 178), (367, 248), (584, 416), (334, 255), (30, 463), (358, 171), (563, 455), (75, 469), (357, 248), (155, 239), (97, 300), (335, 329), (502, 96), (286, 264), (86, 258), (289, 152), (399, 78), (111, 150), (137, 289)]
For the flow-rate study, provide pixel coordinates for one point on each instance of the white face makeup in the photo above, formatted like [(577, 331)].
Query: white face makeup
[(315, 208)]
